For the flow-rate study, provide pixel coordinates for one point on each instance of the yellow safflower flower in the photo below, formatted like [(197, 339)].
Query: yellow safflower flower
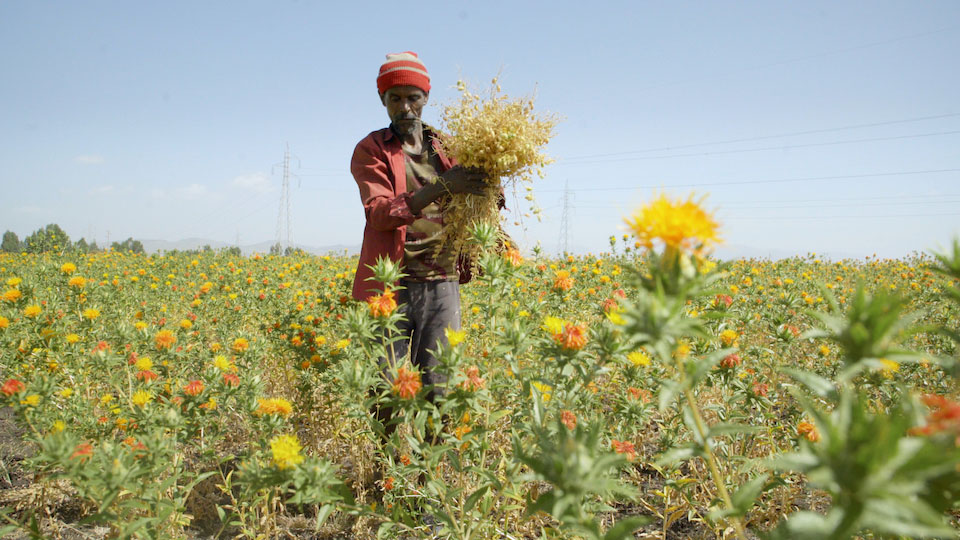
[(286, 451)]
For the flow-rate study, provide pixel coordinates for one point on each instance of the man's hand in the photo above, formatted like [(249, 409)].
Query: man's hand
[(462, 180), (455, 180)]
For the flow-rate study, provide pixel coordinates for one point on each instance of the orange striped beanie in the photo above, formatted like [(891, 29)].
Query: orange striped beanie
[(403, 69)]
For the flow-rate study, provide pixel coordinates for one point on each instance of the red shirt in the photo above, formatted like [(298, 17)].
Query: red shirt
[(381, 174)]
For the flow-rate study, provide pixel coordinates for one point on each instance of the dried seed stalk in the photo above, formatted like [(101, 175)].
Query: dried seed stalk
[(504, 138)]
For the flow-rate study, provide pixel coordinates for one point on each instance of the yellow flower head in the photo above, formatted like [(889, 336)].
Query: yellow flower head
[(141, 398), (14, 281), (286, 451), (455, 337), (553, 325), (91, 313), (729, 337), (220, 362), (12, 295), (68, 268), (32, 311), (678, 224), (638, 358), (77, 282), (889, 367), (544, 390), (144, 363)]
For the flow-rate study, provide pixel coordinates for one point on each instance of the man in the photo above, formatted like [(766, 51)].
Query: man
[(402, 173)]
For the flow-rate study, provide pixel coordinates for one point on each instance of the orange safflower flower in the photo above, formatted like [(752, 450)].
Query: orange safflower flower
[(626, 448), (12, 295), (760, 389), (382, 305), (231, 379), (277, 406), (639, 394), (164, 339), (473, 382), (240, 345), (808, 431), (407, 383), (569, 419), (11, 387), (573, 337), (562, 281), (193, 388), (513, 256)]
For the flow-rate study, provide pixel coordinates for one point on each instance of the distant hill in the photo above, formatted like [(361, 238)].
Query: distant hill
[(155, 246)]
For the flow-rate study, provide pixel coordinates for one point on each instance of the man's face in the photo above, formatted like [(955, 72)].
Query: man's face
[(404, 105)]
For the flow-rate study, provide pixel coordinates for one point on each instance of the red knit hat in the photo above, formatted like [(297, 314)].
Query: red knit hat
[(403, 69)]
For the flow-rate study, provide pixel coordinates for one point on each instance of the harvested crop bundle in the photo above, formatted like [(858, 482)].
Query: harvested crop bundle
[(504, 138)]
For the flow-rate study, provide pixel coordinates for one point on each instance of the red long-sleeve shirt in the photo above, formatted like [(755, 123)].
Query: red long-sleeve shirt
[(381, 175)]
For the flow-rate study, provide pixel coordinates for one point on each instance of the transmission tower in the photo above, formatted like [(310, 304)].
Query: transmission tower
[(283, 214), (565, 218)]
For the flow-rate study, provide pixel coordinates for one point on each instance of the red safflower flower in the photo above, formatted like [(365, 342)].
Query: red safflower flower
[(944, 416), (569, 419), (724, 299), (625, 448), (760, 389), (619, 293), (231, 379), (730, 361), (407, 383), (146, 375), (609, 305), (12, 386), (573, 337), (193, 388), (82, 451), (388, 483)]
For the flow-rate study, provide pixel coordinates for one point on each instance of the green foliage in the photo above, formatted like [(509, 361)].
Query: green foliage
[(879, 477), (11, 242)]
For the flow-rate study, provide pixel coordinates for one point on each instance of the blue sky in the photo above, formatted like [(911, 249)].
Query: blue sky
[(813, 126)]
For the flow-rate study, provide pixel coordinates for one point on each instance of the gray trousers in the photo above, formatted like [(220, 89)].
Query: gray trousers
[(430, 307)]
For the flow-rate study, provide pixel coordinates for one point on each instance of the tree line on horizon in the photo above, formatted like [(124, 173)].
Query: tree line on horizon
[(53, 238)]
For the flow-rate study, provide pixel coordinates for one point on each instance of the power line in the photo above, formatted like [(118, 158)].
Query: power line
[(758, 205), (845, 216), (769, 181), (764, 148), (764, 137)]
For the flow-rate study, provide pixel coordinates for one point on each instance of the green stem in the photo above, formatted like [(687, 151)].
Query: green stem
[(712, 462)]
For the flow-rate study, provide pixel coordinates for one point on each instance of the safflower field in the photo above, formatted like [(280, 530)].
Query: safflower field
[(647, 392)]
